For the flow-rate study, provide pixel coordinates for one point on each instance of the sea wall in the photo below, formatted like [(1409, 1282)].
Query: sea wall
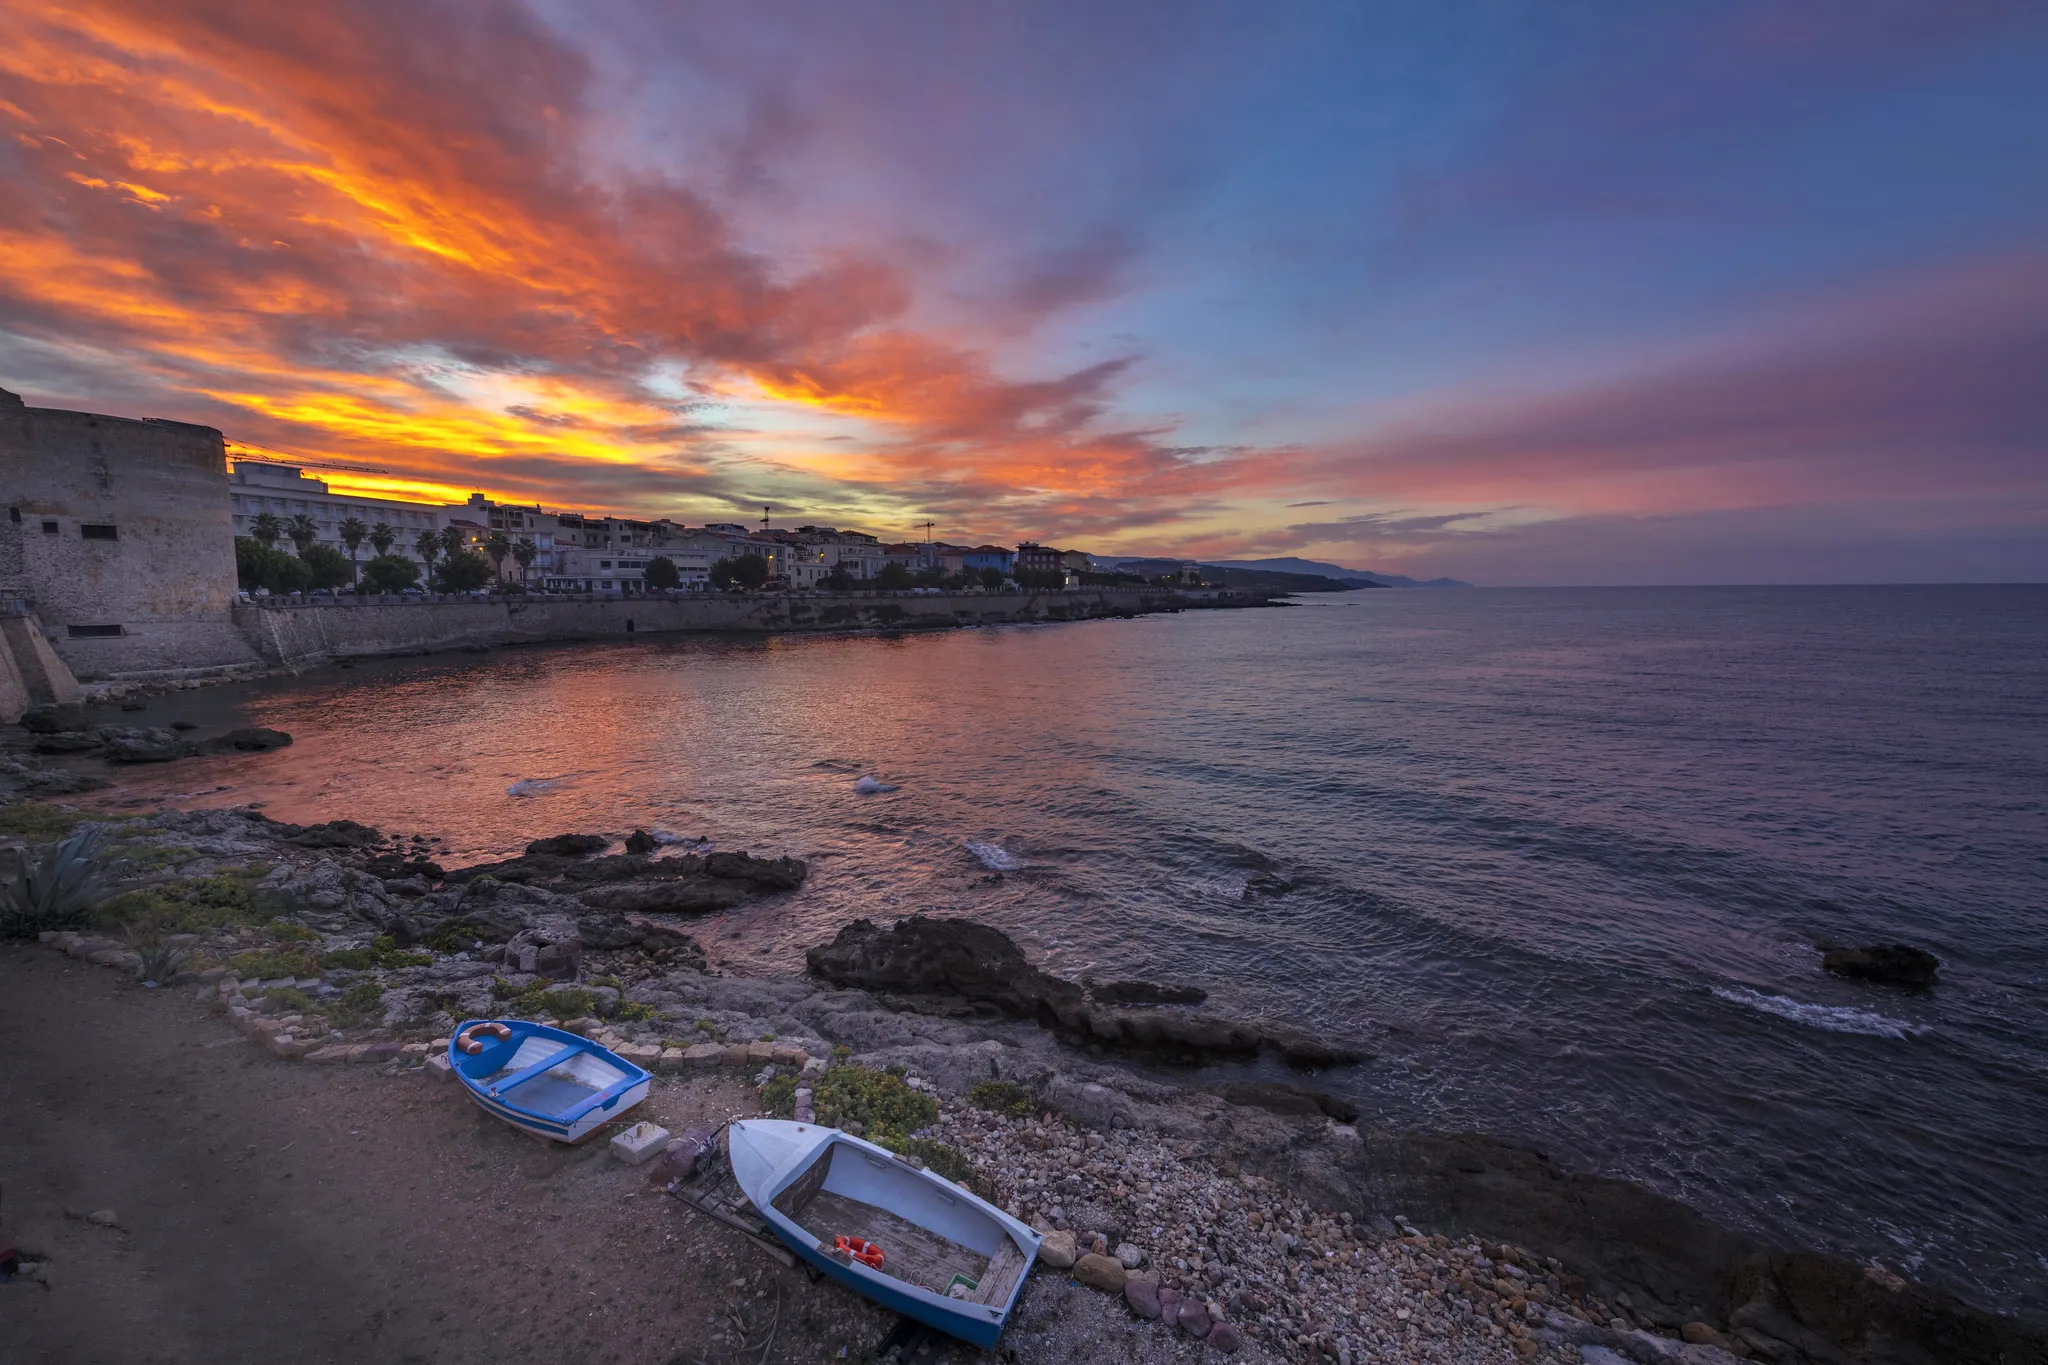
[(307, 634)]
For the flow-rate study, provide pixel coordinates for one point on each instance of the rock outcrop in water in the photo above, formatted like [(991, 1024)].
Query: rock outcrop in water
[(1893, 964), (955, 966)]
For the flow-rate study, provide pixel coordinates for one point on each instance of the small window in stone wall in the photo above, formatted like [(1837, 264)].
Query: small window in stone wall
[(93, 632), (49, 528), (98, 531), (14, 515)]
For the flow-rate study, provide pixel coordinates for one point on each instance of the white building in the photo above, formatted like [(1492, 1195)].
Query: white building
[(285, 492)]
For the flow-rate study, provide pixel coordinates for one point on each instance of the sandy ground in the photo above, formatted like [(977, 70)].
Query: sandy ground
[(276, 1212)]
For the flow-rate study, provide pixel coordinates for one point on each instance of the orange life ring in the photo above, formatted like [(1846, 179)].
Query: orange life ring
[(867, 1253), (468, 1041)]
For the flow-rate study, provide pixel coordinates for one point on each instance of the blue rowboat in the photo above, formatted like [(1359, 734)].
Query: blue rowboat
[(542, 1080), (949, 1259)]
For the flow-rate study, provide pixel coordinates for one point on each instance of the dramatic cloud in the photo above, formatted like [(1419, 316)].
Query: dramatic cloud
[(1159, 278)]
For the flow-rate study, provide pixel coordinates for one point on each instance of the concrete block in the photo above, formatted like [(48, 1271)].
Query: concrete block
[(640, 1142), (761, 1054), (733, 1055), (376, 1052), (784, 1055), (704, 1054), (414, 1052), (439, 1067), (642, 1055), (815, 1066), (290, 1047), (671, 1059), (335, 1055), (585, 1027)]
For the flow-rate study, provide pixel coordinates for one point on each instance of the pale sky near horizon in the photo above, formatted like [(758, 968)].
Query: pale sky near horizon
[(1569, 293)]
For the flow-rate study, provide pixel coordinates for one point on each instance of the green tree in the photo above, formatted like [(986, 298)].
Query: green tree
[(840, 579), (427, 545), (1043, 579), (894, 574), (525, 552), (304, 531), (463, 571), (330, 567), (499, 548), (661, 574), (265, 566), (267, 529), (382, 538), (931, 578), (992, 579), (390, 573), (747, 571), (453, 539), (353, 533)]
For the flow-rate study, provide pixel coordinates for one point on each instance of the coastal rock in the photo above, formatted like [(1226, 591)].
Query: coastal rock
[(1146, 993), (1101, 1272), (247, 740), (954, 966), (332, 834), (1226, 1337), (124, 744), (1057, 1250), (691, 896), (1281, 1098), (568, 845), (640, 841), (1142, 1295), (50, 720), (784, 874), (1893, 964), (1192, 1317), (67, 742), (607, 930), (553, 950)]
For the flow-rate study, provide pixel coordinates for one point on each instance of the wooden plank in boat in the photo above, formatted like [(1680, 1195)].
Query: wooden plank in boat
[(912, 1254)]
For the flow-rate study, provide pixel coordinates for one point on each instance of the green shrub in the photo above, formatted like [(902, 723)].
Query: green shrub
[(272, 963), (887, 1110), (399, 957), (349, 959), (291, 1000), (159, 962), (190, 906), (1000, 1097), (501, 989), (636, 1012), (289, 931), (355, 1004), (706, 1026), (38, 821), (558, 1002)]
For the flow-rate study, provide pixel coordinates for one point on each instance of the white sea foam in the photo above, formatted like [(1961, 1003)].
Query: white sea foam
[(872, 786), (531, 786), (1834, 1018), (993, 856)]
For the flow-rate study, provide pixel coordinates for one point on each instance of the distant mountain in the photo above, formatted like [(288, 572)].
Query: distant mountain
[(1257, 580), (1340, 573)]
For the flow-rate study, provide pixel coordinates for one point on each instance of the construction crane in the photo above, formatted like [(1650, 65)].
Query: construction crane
[(245, 455), (928, 531), (765, 510)]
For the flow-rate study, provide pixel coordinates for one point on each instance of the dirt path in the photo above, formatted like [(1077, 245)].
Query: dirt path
[(272, 1212)]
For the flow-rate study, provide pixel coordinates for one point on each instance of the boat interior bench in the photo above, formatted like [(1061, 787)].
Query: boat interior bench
[(916, 1255)]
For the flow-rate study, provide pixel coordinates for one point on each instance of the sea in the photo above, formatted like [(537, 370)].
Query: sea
[(1564, 860)]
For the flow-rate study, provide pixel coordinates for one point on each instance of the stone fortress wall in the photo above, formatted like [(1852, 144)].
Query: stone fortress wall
[(117, 542)]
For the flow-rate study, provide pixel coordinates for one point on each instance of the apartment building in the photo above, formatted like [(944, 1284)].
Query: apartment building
[(284, 491)]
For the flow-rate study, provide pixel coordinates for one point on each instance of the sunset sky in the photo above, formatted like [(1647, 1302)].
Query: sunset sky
[(1519, 293)]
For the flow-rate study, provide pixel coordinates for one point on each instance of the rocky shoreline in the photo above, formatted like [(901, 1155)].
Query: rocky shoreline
[(1252, 1215)]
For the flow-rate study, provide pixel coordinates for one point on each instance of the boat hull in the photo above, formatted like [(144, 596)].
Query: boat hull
[(623, 1084), (768, 1155)]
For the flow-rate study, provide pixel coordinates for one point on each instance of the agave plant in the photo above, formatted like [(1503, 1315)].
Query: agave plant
[(160, 962), (58, 888)]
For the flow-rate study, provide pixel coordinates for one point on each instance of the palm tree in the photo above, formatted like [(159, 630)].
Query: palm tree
[(497, 547), (267, 528), (304, 531), (428, 544), (525, 552), (453, 539), (382, 538), (352, 533)]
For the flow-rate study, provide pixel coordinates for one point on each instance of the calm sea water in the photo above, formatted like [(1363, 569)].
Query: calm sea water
[(1562, 856)]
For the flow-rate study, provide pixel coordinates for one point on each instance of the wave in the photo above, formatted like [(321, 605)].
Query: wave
[(871, 786), (1834, 1018), (531, 786), (994, 857)]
